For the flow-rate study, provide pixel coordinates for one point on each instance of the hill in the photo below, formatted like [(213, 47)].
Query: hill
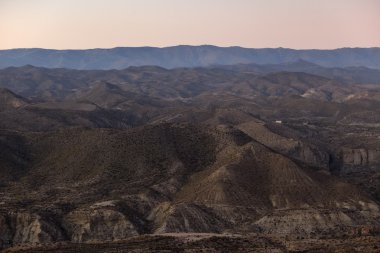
[(182, 84), (85, 184)]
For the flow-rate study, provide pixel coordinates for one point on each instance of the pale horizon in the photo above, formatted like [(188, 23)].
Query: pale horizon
[(200, 45), (101, 24)]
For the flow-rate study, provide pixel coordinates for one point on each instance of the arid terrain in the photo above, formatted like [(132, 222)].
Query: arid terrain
[(224, 158)]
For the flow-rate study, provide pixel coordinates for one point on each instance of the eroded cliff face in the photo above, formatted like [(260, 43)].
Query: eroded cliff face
[(309, 154), (361, 167), (98, 225), (29, 228), (306, 223), (363, 157), (82, 225)]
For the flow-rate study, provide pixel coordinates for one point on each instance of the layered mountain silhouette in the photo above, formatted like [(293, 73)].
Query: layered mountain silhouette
[(358, 75), (185, 56), (61, 84)]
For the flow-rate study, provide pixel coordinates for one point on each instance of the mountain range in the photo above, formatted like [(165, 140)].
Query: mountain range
[(185, 56), (225, 158)]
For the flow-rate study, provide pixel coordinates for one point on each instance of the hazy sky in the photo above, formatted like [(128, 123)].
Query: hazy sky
[(78, 24)]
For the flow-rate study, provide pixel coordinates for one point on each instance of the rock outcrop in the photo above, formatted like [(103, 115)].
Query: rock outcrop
[(98, 225), (361, 156), (29, 228)]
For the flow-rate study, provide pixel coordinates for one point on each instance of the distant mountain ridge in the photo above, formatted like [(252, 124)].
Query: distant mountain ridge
[(185, 56), (358, 75)]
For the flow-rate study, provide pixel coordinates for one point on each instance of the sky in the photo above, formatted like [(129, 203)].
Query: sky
[(81, 24)]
